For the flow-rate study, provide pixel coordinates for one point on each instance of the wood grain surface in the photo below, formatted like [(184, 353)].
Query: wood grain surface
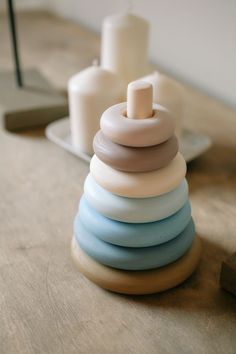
[(46, 305)]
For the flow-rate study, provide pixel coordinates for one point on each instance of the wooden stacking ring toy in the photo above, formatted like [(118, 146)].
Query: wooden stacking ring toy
[(131, 159), (139, 185), (129, 234), (133, 232), (134, 210), (138, 282), (137, 132)]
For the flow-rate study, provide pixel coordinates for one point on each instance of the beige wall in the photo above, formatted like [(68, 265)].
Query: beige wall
[(194, 40)]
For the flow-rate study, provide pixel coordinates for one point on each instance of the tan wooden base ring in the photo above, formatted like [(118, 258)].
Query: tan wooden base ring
[(131, 159), (138, 282)]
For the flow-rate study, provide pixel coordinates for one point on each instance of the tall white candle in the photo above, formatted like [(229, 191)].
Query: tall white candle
[(91, 92), (125, 46), (169, 94)]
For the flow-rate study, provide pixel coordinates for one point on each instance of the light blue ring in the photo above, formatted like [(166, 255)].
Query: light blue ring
[(134, 210), (135, 258), (130, 234)]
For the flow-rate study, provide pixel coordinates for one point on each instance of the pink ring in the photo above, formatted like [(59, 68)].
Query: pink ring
[(137, 132)]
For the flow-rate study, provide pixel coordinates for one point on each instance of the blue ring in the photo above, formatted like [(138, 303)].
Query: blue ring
[(135, 258), (130, 234), (134, 210)]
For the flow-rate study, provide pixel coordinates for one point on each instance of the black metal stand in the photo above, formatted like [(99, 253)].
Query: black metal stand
[(13, 30), (30, 101)]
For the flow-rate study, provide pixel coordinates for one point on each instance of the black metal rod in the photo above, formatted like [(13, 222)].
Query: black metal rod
[(12, 25)]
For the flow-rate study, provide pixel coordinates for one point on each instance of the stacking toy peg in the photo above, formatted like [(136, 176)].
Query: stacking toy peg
[(139, 100)]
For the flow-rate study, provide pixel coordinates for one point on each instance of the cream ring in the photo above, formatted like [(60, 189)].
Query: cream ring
[(139, 185), (134, 210), (137, 132), (132, 159), (138, 282)]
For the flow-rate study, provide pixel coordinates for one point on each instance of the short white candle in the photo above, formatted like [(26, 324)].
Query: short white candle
[(91, 92), (125, 46), (169, 94)]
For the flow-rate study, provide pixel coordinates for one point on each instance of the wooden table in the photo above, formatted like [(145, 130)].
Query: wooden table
[(46, 305)]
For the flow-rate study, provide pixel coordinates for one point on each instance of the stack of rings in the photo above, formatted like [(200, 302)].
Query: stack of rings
[(134, 219)]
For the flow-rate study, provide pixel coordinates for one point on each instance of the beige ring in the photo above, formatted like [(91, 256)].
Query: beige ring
[(142, 184), (132, 159), (138, 282), (137, 132)]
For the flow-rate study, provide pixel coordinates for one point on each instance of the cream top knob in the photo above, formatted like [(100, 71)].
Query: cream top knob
[(139, 100)]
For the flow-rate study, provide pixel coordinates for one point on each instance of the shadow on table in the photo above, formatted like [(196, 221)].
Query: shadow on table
[(200, 292)]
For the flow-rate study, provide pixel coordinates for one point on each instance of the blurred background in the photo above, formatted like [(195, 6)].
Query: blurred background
[(46, 306), (194, 41)]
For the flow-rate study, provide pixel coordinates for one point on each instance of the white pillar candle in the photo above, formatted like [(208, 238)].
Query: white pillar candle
[(169, 94), (91, 92), (125, 46)]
